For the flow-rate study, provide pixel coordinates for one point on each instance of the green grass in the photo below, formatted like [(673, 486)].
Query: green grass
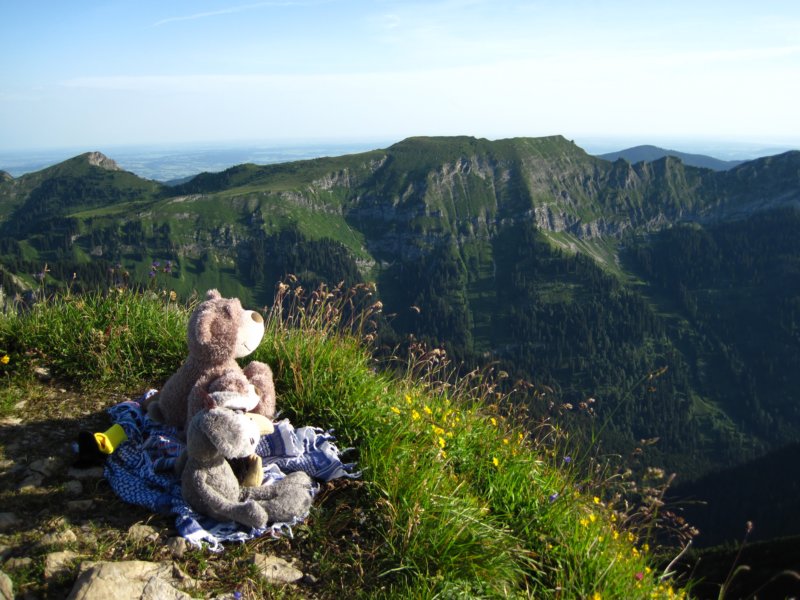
[(456, 500)]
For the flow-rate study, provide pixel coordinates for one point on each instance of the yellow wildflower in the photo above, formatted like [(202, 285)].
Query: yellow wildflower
[(443, 453), (415, 415), (395, 410), (593, 517), (597, 596), (505, 440), (437, 430), (596, 500), (584, 522), (5, 359), (495, 461), (493, 421), (442, 443), (408, 399), (427, 410)]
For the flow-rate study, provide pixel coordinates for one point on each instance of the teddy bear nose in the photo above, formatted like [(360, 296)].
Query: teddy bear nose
[(256, 317)]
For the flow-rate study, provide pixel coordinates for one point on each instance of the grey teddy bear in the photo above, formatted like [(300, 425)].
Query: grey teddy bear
[(210, 487)]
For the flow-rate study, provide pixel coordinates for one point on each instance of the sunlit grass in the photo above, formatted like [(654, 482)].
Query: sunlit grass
[(456, 498)]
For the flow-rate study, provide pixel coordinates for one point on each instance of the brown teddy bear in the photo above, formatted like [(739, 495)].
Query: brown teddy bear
[(219, 332)]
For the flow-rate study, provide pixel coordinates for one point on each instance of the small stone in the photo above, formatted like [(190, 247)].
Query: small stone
[(46, 467), (84, 474), (142, 533), (18, 562), (10, 421), (177, 546), (6, 587), (59, 563), (31, 482), (20, 405), (59, 538), (6, 464), (73, 488), (8, 520), (42, 373), (80, 505), (277, 569)]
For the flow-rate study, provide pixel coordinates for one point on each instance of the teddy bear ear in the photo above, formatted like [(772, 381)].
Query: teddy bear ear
[(213, 294), (208, 400)]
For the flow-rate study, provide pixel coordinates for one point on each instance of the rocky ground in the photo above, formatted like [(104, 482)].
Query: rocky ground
[(64, 533)]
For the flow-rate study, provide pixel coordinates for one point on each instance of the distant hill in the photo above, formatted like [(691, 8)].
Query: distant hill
[(582, 275), (651, 153)]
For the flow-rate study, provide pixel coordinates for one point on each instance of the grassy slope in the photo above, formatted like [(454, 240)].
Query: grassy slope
[(455, 499)]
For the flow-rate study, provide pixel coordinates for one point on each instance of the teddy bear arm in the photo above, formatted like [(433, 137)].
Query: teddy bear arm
[(260, 375)]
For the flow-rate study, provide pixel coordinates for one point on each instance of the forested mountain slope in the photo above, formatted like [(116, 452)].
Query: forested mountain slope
[(662, 297)]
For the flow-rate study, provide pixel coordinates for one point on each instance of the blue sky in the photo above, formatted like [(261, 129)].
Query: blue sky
[(93, 74)]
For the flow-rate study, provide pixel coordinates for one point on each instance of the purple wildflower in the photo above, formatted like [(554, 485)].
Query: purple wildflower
[(567, 460), (553, 497)]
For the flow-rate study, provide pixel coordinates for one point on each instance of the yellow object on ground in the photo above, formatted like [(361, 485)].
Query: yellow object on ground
[(108, 441)]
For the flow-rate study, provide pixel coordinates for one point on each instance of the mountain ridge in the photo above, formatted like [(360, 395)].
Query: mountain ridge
[(649, 153), (471, 232)]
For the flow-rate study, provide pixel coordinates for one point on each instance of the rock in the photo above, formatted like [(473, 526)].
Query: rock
[(128, 579), (142, 533), (6, 587), (274, 568), (6, 464), (58, 538), (84, 474), (177, 546), (8, 520), (80, 505), (58, 563), (10, 421), (46, 467), (18, 562), (73, 488), (31, 482), (42, 373)]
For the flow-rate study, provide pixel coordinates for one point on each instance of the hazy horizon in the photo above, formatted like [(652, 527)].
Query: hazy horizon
[(166, 161)]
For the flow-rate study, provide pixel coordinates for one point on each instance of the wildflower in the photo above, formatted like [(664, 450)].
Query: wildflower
[(442, 443), (584, 522), (443, 453), (408, 399), (415, 415), (615, 535), (593, 517), (427, 410), (493, 421), (395, 410), (646, 547), (597, 596), (567, 460), (596, 500), (505, 440), (639, 576), (5, 359), (495, 461), (520, 437), (553, 497), (437, 430)]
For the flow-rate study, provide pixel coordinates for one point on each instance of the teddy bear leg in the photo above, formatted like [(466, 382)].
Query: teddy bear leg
[(286, 499), (260, 375), (249, 470)]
